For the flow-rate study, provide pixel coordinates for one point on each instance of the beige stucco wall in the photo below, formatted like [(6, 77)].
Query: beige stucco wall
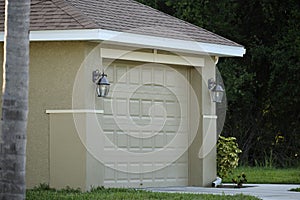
[(67, 154), (202, 152), (207, 152), (53, 68)]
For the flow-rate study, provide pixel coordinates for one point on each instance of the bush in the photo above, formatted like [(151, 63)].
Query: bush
[(227, 155), (240, 180)]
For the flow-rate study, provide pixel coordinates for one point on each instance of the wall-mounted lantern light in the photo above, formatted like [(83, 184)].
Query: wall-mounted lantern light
[(217, 91), (101, 82)]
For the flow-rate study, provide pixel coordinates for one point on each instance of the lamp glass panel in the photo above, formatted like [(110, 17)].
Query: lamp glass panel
[(102, 90), (218, 96)]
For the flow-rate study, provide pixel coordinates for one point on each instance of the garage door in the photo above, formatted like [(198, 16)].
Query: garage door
[(145, 123)]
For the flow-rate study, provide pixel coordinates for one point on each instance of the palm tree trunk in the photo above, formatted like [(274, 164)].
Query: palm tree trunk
[(14, 100)]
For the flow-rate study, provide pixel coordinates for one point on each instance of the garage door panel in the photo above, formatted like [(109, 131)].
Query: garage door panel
[(146, 75), (134, 107), (121, 75), (158, 77), (134, 77), (110, 73), (146, 113), (107, 107)]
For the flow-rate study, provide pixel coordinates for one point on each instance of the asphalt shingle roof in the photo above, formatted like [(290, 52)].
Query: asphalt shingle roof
[(115, 15)]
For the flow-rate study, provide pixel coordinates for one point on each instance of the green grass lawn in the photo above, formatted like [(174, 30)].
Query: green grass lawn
[(120, 194), (254, 175), (267, 175)]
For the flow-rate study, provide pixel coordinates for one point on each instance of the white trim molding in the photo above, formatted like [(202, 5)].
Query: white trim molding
[(138, 40), (210, 116), (154, 57), (74, 111)]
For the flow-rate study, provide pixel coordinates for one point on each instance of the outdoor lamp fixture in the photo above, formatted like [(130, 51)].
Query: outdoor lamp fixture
[(217, 91), (101, 82)]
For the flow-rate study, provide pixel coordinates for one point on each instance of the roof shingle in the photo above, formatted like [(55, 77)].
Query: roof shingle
[(115, 15)]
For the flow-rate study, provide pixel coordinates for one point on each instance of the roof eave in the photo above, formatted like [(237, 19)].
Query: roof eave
[(138, 40)]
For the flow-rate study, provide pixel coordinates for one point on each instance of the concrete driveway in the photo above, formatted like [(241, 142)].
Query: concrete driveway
[(262, 191)]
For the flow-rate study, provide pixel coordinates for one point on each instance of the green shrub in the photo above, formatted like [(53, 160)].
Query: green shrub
[(240, 180), (227, 155)]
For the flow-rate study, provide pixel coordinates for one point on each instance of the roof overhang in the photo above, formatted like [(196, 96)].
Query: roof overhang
[(136, 40)]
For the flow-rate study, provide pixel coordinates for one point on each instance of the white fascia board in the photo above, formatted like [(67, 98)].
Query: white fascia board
[(172, 44), (136, 40)]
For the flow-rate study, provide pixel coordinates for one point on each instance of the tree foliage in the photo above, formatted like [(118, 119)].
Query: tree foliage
[(262, 87)]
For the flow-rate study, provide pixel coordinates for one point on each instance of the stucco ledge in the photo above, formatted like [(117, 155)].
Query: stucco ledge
[(74, 111)]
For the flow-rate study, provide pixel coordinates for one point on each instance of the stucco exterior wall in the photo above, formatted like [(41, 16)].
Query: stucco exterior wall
[(202, 152), (53, 68)]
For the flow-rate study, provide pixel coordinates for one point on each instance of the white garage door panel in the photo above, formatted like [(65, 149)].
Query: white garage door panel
[(147, 112), (176, 174)]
